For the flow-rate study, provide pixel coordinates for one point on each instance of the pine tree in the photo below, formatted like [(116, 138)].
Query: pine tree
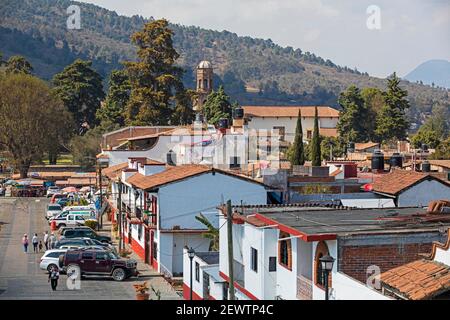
[(111, 113), (18, 64), (80, 87), (353, 118), (155, 80), (298, 152), (217, 106), (316, 154), (391, 120)]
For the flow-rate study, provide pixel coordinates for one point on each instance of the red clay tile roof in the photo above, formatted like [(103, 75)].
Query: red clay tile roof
[(367, 145), (400, 180), (114, 171), (177, 173), (418, 280), (290, 111)]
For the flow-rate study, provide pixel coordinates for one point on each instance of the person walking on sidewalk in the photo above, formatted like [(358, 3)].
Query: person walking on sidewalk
[(52, 241), (46, 240), (35, 242), (53, 277), (25, 243)]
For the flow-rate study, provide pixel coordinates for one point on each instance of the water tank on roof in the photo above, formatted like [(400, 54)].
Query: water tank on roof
[(426, 166), (377, 161), (199, 118), (424, 147), (238, 113), (396, 160), (223, 123)]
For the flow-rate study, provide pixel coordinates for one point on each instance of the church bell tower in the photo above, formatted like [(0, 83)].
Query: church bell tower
[(205, 75)]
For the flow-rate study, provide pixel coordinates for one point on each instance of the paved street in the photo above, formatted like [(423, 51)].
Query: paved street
[(20, 276)]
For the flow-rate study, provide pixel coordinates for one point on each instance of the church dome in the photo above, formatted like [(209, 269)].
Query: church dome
[(205, 65)]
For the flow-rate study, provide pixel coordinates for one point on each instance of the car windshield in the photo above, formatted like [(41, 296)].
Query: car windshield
[(54, 208)]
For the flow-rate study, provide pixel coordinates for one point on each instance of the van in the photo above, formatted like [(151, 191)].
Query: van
[(72, 219), (87, 214)]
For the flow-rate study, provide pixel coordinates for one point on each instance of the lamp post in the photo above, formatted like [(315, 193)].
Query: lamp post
[(191, 254), (327, 266)]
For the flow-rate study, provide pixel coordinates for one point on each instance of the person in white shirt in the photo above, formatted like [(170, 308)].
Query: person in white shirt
[(35, 242), (46, 240)]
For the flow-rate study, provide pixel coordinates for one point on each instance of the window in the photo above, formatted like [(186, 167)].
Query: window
[(285, 251), (140, 231), (272, 264), (235, 162), (321, 251), (281, 132), (197, 272), (254, 259), (87, 256), (102, 255), (309, 134), (155, 250), (225, 291)]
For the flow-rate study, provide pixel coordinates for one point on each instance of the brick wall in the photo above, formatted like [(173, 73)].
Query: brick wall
[(387, 252)]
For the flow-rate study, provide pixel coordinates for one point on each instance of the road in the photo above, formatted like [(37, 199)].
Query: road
[(20, 275)]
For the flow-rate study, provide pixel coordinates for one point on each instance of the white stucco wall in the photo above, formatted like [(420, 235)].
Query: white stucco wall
[(346, 288), (442, 256), (422, 193), (197, 286), (180, 202), (287, 279), (290, 124)]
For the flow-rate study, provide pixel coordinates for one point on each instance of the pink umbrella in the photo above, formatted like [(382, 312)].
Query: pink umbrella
[(69, 189)]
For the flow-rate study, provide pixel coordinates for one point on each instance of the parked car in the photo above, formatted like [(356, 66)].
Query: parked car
[(83, 242), (53, 210), (72, 219), (57, 196), (50, 259), (83, 232), (100, 263), (88, 214), (52, 190)]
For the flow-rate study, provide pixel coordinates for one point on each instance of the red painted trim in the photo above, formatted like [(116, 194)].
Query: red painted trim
[(294, 232), (187, 293), (136, 247), (239, 287)]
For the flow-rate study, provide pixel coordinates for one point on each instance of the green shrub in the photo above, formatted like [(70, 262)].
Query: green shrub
[(91, 224)]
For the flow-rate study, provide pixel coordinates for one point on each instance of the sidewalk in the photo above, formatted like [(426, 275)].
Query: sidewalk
[(146, 273)]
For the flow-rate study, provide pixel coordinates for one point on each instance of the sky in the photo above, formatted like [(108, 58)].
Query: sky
[(375, 36)]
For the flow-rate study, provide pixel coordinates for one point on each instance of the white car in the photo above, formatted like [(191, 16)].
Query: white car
[(53, 210), (52, 190), (50, 259)]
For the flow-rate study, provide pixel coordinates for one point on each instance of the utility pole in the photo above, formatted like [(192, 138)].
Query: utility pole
[(230, 249), (119, 205), (101, 194)]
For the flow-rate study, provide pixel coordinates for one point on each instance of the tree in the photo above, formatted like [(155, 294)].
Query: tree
[(391, 120), (80, 87), (217, 106), (442, 151), (183, 113), (111, 113), (85, 148), (373, 102), (18, 64), (425, 135), (353, 118), (31, 118), (316, 154), (331, 145), (212, 233), (155, 80), (298, 152)]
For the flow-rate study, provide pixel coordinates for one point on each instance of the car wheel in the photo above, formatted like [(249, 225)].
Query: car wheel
[(51, 266), (118, 274)]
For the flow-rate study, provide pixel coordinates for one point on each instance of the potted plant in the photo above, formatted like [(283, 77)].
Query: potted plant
[(142, 291)]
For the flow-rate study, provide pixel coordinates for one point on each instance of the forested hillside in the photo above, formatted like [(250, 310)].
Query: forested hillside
[(254, 71)]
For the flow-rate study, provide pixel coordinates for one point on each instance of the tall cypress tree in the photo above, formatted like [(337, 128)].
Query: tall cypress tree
[(298, 154), (316, 154)]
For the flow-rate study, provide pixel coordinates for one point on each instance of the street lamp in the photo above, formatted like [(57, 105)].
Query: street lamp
[(191, 254), (326, 263)]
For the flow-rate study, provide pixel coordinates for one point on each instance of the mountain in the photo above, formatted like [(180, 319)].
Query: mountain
[(253, 71), (435, 72)]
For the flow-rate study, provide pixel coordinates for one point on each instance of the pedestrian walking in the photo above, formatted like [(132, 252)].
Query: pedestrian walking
[(46, 236), (53, 277), (52, 241), (25, 243), (35, 242), (40, 245)]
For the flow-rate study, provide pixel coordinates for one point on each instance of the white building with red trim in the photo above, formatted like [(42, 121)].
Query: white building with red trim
[(161, 203), (276, 251)]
